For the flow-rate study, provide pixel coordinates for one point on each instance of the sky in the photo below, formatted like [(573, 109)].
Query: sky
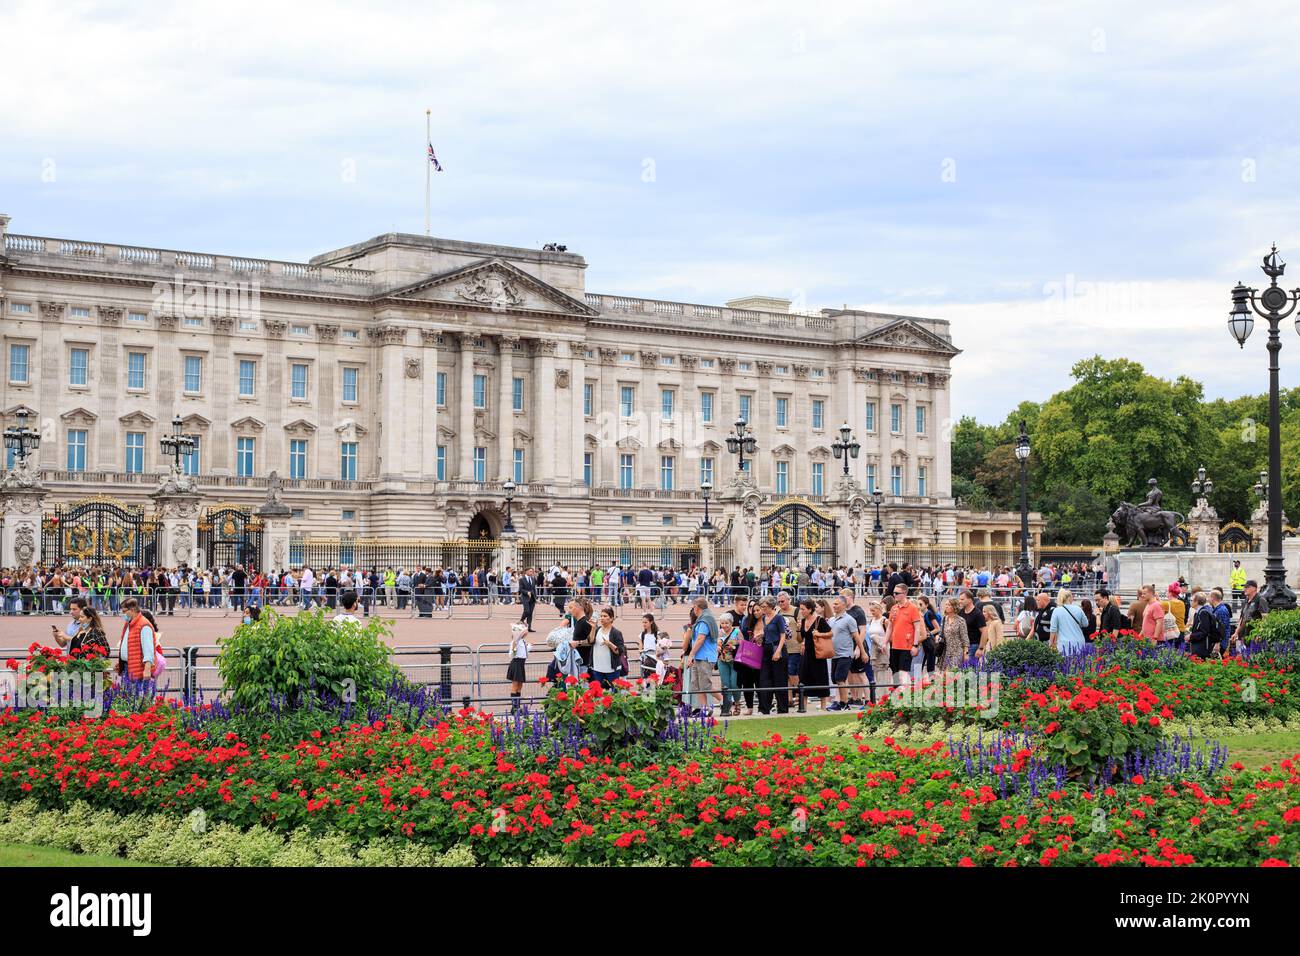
[(1055, 179)]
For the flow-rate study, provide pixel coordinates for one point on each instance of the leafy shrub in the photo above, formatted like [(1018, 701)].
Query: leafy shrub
[(304, 660), (1085, 729), (1278, 628), (623, 717), (1023, 656)]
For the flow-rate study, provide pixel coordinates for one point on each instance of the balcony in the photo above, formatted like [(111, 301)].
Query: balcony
[(688, 316), (196, 266)]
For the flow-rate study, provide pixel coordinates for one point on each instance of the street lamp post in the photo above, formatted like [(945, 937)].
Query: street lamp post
[(845, 446), (893, 536), (742, 442), (20, 439), (176, 445), (1022, 455), (706, 490), (508, 486), (1202, 486), (1273, 304)]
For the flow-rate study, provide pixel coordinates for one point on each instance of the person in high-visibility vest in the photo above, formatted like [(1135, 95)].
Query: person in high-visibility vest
[(1237, 578)]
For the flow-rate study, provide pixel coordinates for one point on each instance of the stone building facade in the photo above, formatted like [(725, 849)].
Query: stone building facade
[(395, 384)]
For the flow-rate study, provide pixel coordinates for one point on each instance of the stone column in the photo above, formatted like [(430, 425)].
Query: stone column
[(942, 411), (509, 550), (429, 404), (393, 404), (178, 529), (741, 507), (852, 523), (610, 418), (22, 498), (275, 515), (544, 447), (506, 411), (574, 445), (1203, 522), (465, 429), (706, 546)]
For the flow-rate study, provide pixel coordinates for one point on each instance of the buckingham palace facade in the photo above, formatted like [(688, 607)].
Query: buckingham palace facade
[(395, 385)]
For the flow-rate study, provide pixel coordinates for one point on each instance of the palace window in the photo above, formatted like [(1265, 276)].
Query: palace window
[(298, 381), (666, 399), (706, 471), (442, 390), (588, 398), (871, 416), (480, 463), (247, 376), (76, 449), (920, 419), (818, 478), (78, 367), (920, 481), (517, 394), (193, 374), (190, 461), (666, 467), (818, 414), (19, 371), (895, 418), (782, 477), (441, 463), (298, 458), (706, 407), (896, 480), (519, 466), (350, 378), (135, 366), (626, 401), (587, 464), (348, 461), (626, 470), (244, 462), (134, 453), (782, 412)]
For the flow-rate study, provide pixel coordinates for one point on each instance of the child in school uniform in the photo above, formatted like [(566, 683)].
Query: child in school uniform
[(516, 672)]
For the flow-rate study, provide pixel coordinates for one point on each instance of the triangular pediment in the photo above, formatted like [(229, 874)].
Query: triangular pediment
[(300, 427), (137, 418), (79, 414), (907, 336), (18, 409), (495, 285), (194, 420), (248, 421)]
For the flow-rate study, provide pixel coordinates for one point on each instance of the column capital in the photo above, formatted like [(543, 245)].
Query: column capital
[(543, 347)]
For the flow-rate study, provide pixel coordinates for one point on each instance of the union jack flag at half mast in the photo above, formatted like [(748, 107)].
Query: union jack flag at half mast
[(433, 158)]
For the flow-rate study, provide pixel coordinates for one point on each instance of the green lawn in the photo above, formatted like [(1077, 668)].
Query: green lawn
[(16, 855), (1252, 750)]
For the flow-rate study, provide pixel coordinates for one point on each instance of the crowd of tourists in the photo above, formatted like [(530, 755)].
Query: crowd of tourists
[(422, 590), (779, 650)]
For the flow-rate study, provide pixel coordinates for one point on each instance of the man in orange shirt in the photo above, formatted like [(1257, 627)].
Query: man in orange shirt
[(905, 633)]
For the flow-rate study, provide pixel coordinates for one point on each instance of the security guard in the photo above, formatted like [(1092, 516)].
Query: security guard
[(1237, 579)]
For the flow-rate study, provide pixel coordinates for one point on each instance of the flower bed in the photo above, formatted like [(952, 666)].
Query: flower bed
[(447, 785)]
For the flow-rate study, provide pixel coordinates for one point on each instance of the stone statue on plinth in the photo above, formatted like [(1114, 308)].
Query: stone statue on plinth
[(1149, 524)]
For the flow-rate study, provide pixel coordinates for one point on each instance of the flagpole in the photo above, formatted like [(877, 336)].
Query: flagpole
[(428, 138)]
